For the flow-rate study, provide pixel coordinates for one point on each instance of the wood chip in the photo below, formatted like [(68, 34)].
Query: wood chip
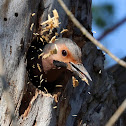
[(55, 107), (41, 39), (53, 39), (36, 76), (89, 92), (59, 85), (46, 90), (56, 34), (31, 26), (51, 52), (56, 48), (33, 14), (94, 31), (40, 49), (46, 37), (54, 51), (64, 30), (56, 97), (86, 80), (48, 26), (35, 33), (51, 23), (33, 66), (41, 76), (74, 115), (32, 58), (39, 68), (55, 13), (75, 81), (41, 81), (46, 55), (100, 71), (40, 55)]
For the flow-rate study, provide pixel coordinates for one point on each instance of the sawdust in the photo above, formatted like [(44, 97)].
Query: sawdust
[(75, 81)]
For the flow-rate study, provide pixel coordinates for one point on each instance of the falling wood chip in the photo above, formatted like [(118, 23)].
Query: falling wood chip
[(75, 81), (56, 98), (31, 26), (35, 33), (89, 92), (32, 58), (33, 66), (41, 76), (55, 13), (46, 90), (46, 55), (32, 46), (41, 39), (33, 14), (53, 39), (51, 52), (64, 30), (49, 25), (59, 85), (40, 55), (74, 115), (86, 80), (40, 49), (55, 107), (36, 76), (100, 71), (94, 31), (39, 68), (56, 34), (41, 81)]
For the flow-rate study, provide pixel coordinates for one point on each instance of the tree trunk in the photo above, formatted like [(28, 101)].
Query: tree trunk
[(92, 105), (119, 74)]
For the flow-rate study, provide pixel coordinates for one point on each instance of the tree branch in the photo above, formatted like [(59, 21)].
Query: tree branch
[(112, 29), (89, 36), (117, 114)]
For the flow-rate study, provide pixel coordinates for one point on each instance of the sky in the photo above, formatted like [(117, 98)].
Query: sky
[(116, 40)]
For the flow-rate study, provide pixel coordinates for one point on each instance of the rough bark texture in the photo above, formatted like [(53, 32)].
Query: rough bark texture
[(119, 75), (92, 105)]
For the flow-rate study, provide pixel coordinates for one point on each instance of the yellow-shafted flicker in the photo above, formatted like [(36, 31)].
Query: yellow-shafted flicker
[(56, 63)]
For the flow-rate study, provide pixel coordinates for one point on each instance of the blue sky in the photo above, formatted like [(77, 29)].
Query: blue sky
[(116, 40)]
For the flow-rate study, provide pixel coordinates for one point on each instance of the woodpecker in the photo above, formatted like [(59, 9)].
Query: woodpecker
[(58, 62)]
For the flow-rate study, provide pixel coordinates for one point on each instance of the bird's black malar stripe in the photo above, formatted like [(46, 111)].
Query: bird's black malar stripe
[(59, 64)]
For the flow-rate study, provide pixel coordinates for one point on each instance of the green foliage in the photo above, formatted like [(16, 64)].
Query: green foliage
[(103, 15)]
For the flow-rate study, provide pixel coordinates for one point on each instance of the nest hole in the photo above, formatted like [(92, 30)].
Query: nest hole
[(34, 67)]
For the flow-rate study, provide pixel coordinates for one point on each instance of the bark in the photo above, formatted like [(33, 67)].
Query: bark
[(119, 75), (84, 105)]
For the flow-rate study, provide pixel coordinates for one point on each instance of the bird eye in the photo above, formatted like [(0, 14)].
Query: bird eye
[(64, 52)]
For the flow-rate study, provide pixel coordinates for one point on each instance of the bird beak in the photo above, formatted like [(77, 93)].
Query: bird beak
[(79, 70)]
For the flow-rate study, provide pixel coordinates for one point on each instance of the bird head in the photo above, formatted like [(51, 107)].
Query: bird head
[(67, 55)]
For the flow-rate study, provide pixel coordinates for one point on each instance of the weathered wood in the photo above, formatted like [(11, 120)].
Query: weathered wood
[(92, 105)]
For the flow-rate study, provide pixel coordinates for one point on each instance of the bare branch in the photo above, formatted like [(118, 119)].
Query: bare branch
[(117, 114), (112, 29), (89, 36)]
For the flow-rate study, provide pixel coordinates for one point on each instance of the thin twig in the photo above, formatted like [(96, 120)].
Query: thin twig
[(6, 95), (117, 114), (89, 36), (111, 29)]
